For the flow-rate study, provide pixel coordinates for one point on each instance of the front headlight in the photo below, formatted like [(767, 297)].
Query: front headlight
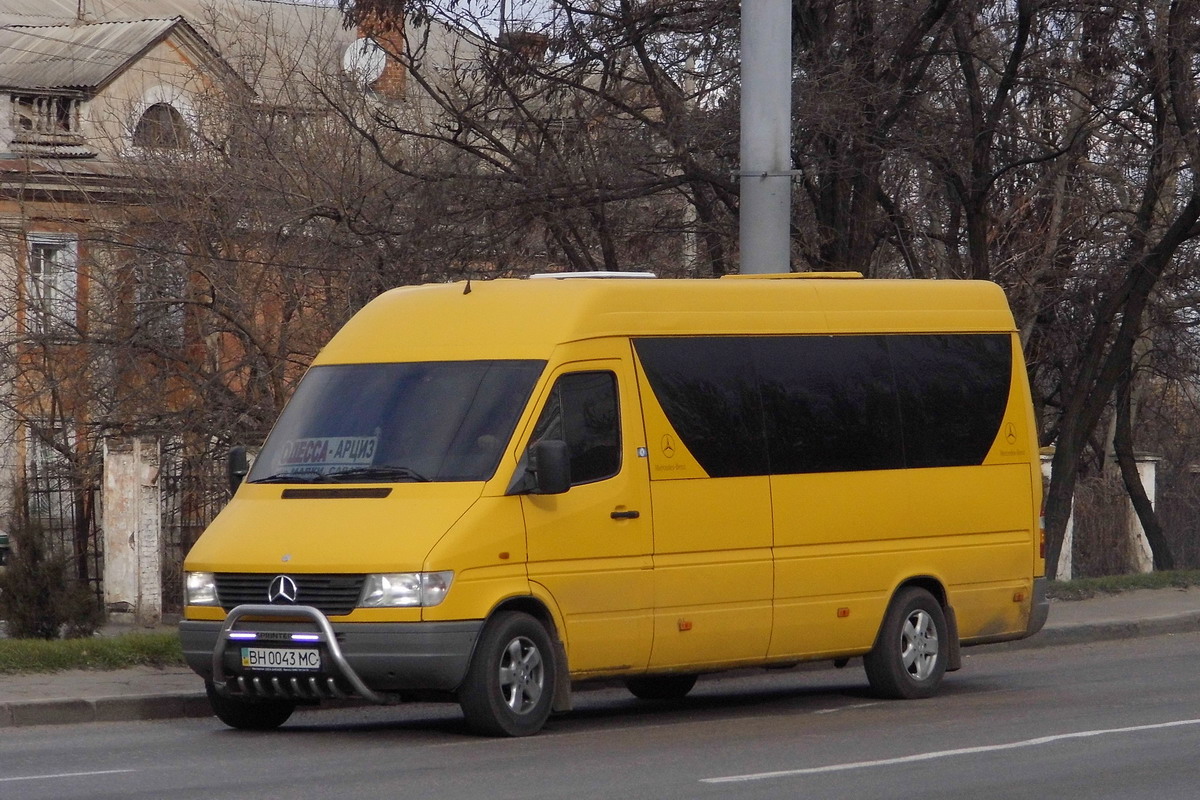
[(200, 589), (405, 589)]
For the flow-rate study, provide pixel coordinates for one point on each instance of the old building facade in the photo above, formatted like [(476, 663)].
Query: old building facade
[(91, 94)]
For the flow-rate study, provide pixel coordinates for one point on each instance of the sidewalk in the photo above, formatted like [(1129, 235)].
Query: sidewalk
[(144, 693)]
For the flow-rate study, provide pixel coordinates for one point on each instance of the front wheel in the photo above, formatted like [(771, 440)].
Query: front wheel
[(510, 684), (248, 714), (910, 653)]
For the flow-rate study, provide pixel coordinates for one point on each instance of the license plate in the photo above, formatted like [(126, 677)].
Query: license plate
[(278, 658)]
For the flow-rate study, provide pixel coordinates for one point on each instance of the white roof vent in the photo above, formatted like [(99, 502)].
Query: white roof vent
[(594, 274)]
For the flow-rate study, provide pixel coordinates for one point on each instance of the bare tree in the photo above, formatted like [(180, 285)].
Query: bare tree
[(577, 137), (1012, 142), (1049, 146), (1160, 113)]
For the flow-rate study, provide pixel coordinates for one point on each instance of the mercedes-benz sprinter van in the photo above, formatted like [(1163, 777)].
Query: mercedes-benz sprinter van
[(487, 491)]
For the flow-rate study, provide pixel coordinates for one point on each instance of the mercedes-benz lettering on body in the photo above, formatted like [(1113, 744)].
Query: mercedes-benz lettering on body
[(487, 495)]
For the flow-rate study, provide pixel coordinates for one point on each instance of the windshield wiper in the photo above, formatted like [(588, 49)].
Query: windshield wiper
[(290, 477), (380, 473)]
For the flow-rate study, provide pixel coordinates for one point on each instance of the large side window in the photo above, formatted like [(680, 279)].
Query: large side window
[(796, 404), (582, 411)]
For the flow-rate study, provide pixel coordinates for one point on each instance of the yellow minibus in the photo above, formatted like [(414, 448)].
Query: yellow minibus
[(489, 491)]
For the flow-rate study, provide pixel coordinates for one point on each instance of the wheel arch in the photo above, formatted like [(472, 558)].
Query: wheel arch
[(533, 607), (929, 583), (536, 608)]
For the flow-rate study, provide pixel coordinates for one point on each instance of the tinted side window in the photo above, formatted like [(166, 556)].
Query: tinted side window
[(830, 403), (582, 411), (708, 389), (797, 404), (953, 394)]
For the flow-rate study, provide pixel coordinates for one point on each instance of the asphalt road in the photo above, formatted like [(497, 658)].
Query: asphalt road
[(1114, 719)]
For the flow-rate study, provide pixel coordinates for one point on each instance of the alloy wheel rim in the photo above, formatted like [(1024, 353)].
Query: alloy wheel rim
[(522, 675), (919, 645)]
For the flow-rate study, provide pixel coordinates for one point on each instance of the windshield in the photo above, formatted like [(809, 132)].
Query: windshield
[(435, 421)]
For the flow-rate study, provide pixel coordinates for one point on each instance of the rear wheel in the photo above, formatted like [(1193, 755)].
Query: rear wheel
[(249, 714), (510, 684), (660, 687), (910, 653)]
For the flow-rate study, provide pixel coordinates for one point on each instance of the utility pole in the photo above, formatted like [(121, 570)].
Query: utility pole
[(764, 226)]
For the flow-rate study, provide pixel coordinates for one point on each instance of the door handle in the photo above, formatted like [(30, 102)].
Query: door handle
[(625, 514)]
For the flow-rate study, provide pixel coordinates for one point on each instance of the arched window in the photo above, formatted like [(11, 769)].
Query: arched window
[(161, 126)]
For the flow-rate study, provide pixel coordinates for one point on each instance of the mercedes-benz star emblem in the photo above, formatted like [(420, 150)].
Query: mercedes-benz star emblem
[(282, 590)]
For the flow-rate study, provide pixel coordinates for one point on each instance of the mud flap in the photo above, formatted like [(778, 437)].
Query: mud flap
[(562, 683), (954, 656)]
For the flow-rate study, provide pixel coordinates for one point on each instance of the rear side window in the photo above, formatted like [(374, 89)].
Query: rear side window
[(582, 410), (798, 404), (953, 392)]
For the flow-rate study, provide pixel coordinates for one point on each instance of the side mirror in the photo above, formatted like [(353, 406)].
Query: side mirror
[(551, 466), (237, 467)]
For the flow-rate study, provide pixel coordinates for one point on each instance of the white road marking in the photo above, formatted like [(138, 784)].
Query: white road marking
[(58, 775), (962, 751), (846, 708)]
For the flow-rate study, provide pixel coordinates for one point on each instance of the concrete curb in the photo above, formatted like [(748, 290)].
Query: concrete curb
[(189, 704), (1082, 633), (17, 714)]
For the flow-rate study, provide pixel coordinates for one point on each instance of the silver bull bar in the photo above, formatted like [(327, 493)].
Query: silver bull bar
[(309, 688)]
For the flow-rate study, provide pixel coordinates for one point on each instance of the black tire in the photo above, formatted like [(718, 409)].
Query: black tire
[(248, 714), (660, 687), (909, 658), (509, 688)]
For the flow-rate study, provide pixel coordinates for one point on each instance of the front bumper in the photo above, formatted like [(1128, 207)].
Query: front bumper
[(377, 662)]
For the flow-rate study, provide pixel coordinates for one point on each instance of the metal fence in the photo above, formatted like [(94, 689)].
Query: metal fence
[(193, 489), (65, 508), (1179, 513)]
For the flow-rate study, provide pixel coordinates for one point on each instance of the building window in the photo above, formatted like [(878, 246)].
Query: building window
[(51, 280), (161, 126), (159, 300), (50, 489)]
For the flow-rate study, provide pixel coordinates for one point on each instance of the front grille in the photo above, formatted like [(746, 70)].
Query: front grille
[(332, 595)]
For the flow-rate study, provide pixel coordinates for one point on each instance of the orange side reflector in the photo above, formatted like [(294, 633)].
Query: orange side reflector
[(843, 613), (685, 624), (1018, 597)]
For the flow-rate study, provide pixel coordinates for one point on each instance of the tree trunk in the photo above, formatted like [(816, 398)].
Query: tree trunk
[(1102, 368), (1123, 447)]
